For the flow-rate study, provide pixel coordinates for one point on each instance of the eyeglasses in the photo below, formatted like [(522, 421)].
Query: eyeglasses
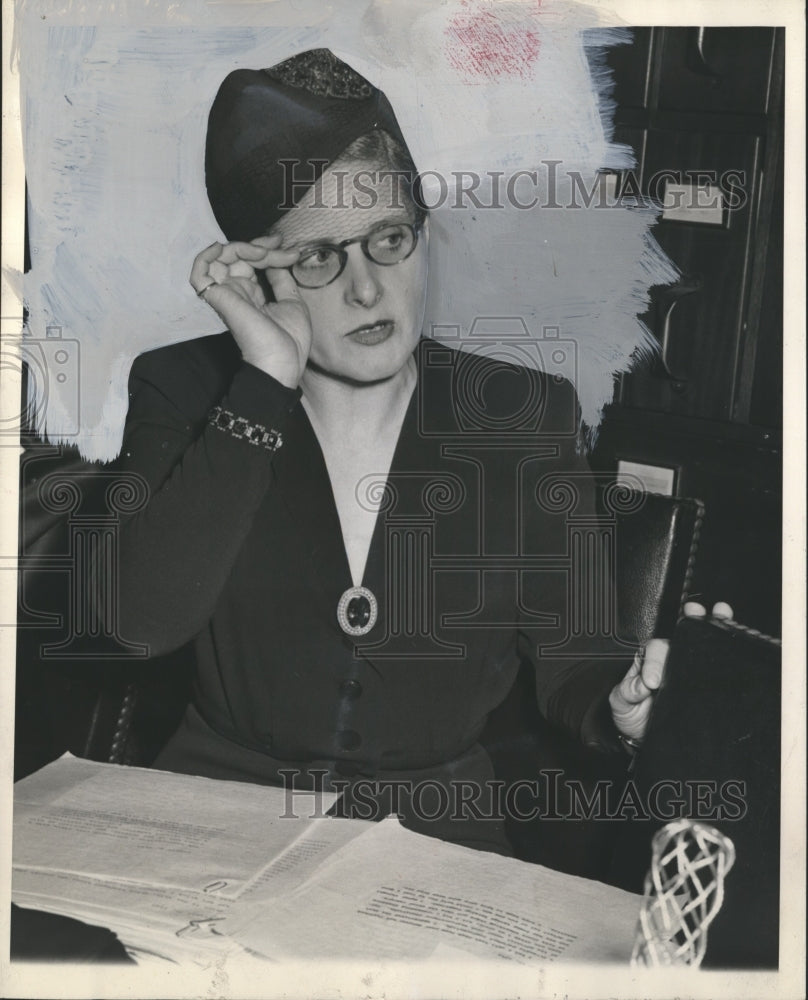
[(388, 244)]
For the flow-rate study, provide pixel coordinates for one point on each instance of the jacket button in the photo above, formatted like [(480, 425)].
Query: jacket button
[(349, 739), (350, 689)]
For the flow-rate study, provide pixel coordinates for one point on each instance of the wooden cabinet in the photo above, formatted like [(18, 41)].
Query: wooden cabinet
[(700, 321), (702, 108), (715, 70), (702, 69)]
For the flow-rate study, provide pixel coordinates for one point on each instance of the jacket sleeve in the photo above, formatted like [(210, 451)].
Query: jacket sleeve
[(568, 605), (201, 488)]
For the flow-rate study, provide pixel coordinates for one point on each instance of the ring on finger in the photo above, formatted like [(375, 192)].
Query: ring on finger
[(201, 292)]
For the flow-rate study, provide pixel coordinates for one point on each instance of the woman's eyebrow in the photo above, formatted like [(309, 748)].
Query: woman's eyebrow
[(316, 241), (329, 240)]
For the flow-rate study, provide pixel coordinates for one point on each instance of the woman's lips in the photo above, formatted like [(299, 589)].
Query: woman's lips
[(372, 333)]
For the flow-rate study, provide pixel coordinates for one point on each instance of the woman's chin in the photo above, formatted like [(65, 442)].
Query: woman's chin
[(367, 363)]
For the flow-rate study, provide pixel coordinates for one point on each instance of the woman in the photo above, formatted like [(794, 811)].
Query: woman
[(323, 505)]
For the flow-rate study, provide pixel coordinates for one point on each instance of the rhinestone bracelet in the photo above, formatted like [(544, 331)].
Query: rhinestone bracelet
[(257, 434)]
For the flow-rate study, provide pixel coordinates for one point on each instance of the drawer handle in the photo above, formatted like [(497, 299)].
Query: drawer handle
[(701, 64), (669, 298)]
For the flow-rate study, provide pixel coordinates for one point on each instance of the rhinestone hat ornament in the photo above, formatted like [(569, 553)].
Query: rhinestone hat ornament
[(272, 132), (320, 72), (684, 890)]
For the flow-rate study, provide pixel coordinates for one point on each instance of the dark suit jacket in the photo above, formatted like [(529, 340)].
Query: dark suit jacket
[(241, 550)]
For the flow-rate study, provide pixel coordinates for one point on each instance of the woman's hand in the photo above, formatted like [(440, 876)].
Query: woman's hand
[(273, 336), (632, 699)]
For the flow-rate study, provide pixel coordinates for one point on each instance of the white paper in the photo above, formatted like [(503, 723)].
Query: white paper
[(160, 858), (155, 827), (395, 894), (186, 869)]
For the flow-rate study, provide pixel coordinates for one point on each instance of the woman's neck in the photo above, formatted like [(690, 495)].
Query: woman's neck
[(367, 412)]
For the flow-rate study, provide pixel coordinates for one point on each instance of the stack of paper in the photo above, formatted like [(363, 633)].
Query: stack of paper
[(186, 868), (160, 858)]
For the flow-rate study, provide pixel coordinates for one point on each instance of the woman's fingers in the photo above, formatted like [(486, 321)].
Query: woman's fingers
[(219, 271), (283, 284), (274, 336), (231, 252), (632, 699), (636, 666), (721, 609), (634, 689), (220, 263), (239, 269), (646, 672), (211, 252), (267, 241), (222, 296), (653, 666), (631, 689), (693, 609), (200, 270), (257, 254)]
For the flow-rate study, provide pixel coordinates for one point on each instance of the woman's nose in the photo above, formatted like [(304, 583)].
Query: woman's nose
[(362, 287)]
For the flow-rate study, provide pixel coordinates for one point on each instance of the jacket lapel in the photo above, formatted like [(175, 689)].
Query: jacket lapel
[(404, 532), (303, 481)]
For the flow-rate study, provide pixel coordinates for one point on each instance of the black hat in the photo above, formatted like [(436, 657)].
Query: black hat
[(272, 133)]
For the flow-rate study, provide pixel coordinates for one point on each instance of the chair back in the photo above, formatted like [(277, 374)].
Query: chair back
[(712, 754), (657, 540), (655, 544)]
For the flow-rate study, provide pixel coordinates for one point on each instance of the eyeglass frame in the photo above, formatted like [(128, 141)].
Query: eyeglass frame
[(363, 241)]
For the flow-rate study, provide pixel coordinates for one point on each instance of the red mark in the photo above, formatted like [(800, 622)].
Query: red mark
[(478, 44)]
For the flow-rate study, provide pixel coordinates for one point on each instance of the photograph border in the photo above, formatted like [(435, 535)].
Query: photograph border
[(402, 979)]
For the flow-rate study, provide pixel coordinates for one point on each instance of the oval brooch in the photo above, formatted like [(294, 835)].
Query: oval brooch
[(357, 611)]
